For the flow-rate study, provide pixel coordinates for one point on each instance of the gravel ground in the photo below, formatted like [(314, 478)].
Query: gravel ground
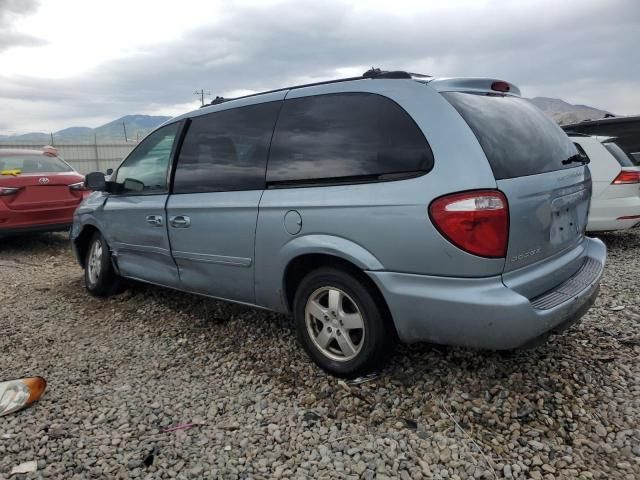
[(122, 371)]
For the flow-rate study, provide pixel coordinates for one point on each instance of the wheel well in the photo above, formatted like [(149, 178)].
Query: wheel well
[(300, 266), (82, 242)]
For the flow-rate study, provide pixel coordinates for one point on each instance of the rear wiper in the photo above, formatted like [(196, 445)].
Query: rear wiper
[(577, 158)]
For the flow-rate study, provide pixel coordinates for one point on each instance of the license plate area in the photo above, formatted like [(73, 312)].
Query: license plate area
[(39, 197), (568, 217)]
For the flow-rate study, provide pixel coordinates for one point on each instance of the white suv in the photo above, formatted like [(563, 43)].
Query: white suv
[(615, 202)]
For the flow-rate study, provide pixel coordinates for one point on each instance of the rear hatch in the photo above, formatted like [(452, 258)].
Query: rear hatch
[(538, 169), (35, 193)]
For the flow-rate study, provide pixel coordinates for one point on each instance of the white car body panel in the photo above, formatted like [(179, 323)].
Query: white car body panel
[(609, 202)]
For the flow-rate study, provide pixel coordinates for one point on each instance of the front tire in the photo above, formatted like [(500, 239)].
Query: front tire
[(100, 278), (340, 323)]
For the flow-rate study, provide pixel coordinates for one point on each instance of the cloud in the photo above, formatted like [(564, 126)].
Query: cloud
[(10, 10), (581, 51)]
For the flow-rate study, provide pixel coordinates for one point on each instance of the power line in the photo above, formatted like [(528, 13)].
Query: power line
[(201, 93)]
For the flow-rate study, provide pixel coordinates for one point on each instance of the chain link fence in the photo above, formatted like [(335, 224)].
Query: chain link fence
[(84, 157)]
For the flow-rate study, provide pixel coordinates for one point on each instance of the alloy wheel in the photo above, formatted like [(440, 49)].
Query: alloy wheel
[(335, 324), (94, 265)]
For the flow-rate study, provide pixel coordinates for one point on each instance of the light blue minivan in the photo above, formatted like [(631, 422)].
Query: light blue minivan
[(382, 207)]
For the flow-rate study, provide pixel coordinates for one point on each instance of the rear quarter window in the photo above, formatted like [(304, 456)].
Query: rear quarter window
[(623, 158), (517, 138), (346, 137)]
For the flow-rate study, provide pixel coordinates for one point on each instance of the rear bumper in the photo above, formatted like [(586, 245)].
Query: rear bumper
[(604, 214), (25, 221), (483, 312)]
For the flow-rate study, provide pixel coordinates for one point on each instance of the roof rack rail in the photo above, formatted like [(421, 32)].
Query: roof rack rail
[(372, 73)]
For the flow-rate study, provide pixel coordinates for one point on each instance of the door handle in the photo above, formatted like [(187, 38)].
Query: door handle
[(180, 221), (155, 220)]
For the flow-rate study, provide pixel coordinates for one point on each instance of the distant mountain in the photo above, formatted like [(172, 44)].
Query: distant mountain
[(75, 132), (563, 112), (137, 126), (28, 137)]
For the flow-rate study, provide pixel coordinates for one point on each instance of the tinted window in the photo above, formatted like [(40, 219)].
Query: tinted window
[(583, 155), (624, 159), (226, 150), (517, 138), (146, 167), (345, 136), (33, 163)]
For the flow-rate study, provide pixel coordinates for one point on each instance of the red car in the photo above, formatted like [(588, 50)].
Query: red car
[(38, 191)]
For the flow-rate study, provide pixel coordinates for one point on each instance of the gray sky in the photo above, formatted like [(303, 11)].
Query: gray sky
[(83, 63)]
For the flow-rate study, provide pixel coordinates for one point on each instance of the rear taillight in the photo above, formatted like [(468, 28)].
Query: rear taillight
[(476, 221), (7, 191), (78, 187), (627, 176)]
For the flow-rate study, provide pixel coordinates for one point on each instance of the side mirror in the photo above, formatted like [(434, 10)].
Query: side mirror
[(95, 181), (109, 171)]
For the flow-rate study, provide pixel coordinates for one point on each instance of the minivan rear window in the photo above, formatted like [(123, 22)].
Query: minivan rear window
[(517, 138), (345, 138), (623, 158)]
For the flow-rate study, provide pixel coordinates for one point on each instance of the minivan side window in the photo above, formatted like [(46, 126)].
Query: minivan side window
[(345, 137), (145, 169), (226, 150)]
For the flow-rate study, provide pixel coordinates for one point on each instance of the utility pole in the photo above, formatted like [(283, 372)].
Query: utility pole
[(201, 93), (51, 133), (124, 127)]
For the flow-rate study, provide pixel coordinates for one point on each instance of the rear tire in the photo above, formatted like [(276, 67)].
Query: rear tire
[(100, 278), (340, 323)]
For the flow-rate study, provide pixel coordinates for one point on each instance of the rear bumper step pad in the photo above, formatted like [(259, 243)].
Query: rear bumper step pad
[(584, 277)]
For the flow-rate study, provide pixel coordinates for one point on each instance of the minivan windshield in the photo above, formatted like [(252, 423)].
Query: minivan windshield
[(517, 138), (30, 163)]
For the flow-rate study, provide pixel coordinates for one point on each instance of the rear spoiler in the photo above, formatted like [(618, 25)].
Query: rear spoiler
[(476, 85)]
